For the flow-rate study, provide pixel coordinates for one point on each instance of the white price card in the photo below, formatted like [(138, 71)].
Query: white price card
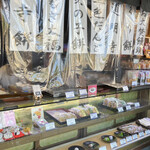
[(134, 83), (93, 116), (37, 90), (125, 88), (83, 92), (50, 126), (135, 61), (71, 121), (120, 109), (129, 138), (147, 132), (137, 104), (70, 95), (134, 136), (128, 107), (141, 134), (103, 148), (123, 141), (113, 145)]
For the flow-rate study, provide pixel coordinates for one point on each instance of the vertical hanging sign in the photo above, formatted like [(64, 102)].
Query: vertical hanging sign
[(113, 35), (53, 25), (78, 26), (22, 25), (128, 30), (140, 33), (98, 19)]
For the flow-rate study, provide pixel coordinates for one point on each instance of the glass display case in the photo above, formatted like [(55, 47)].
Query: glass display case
[(57, 121)]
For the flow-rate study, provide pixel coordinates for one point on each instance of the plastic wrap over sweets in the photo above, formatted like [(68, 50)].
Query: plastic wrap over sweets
[(33, 59), (94, 41)]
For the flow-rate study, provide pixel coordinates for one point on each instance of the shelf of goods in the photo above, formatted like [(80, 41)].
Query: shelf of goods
[(97, 138)]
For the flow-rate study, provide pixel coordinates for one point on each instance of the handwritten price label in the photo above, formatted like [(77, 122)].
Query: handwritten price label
[(134, 136), (141, 134), (93, 116), (123, 141), (147, 132), (113, 145), (103, 148), (128, 107), (120, 109), (50, 126), (71, 121), (70, 95), (137, 105), (129, 138), (125, 88)]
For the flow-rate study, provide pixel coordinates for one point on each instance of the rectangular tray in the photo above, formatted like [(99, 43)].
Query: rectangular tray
[(49, 113), (138, 123), (119, 128), (113, 109)]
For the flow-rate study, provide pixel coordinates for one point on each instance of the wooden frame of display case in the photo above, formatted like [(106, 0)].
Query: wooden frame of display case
[(80, 127)]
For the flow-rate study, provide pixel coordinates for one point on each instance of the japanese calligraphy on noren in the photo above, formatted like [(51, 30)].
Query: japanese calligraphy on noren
[(98, 19), (22, 29), (113, 30), (22, 39), (78, 26), (53, 14), (23, 12), (141, 31), (128, 30)]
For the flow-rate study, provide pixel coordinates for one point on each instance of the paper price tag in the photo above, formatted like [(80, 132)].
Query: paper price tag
[(141, 134), (83, 92), (103, 148), (129, 138), (37, 90), (137, 104), (120, 109), (125, 88), (93, 116), (71, 121), (69, 95), (123, 141), (147, 132), (128, 107), (134, 136), (134, 83), (113, 145), (50, 126), (135, 61)]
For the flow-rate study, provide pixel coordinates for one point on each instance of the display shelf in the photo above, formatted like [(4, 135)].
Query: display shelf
[(44, 101), (14, 95), (97, 138), (47, 99), (63, 129), (120, 86), (136, 69)]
